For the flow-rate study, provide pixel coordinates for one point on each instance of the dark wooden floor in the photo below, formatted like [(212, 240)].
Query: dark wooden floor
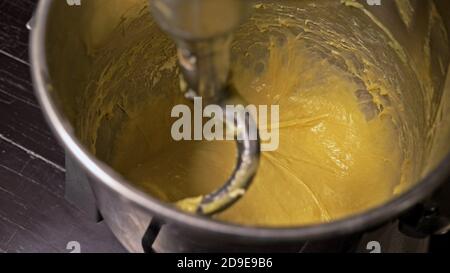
[(34, 216)]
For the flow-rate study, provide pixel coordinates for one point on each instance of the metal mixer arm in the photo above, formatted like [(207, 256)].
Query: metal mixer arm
[(203, 30)]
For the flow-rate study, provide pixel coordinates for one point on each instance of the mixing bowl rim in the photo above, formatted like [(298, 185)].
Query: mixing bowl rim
[(103, 174)]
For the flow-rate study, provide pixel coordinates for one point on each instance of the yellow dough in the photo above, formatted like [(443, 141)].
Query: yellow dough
[(341, 150), (332, 161)]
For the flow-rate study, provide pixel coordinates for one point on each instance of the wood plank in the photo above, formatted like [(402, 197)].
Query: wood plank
[(35, 217), (15, 80), (22, 122), (24, 165), (14, 15)]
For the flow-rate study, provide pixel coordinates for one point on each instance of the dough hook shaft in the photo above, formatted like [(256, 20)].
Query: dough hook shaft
[(202, 30)]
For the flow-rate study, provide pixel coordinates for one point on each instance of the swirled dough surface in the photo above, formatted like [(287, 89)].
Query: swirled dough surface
[(342, 150), (337, 155)]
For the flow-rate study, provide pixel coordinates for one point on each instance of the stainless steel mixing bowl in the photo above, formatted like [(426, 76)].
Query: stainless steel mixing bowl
[(61, 65)]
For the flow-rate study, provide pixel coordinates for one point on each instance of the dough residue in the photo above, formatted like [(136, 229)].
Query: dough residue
[(346, 137)]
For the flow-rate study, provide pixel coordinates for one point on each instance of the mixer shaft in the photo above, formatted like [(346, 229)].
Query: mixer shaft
[(202, 30)]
